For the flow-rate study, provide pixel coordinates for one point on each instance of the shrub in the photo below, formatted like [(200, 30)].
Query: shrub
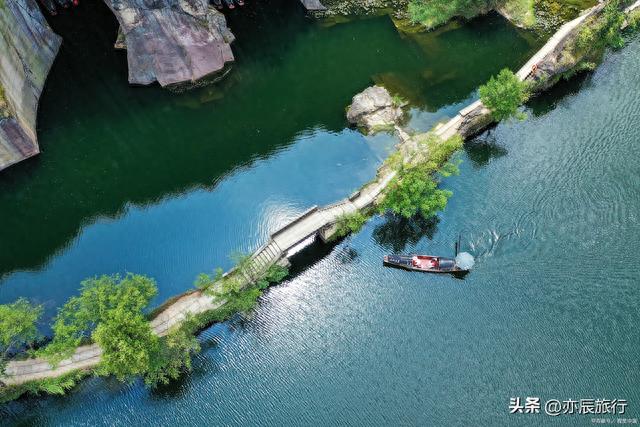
[(173, 356), (503, 94), (349, 223), (432, 13), (415, 188), (57, 386), (415, 192), (276, 273)]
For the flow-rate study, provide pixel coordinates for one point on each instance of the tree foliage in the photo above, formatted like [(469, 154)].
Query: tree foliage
[(350, 223), (503, 94), (18, 327), (128, 344), (103, 302), (415, 190), (432, 13), (172, 357)]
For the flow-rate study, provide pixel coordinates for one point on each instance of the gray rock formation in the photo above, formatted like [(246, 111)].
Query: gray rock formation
[(27, 50), (172, 41), (374, 109)]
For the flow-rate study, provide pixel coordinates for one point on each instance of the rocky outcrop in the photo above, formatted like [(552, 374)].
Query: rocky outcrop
[(28, 48), (374, 109), (172, 41)]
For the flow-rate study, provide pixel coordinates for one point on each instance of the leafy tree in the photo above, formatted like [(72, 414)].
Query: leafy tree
[(127, 342), (503, 94), (103, 301), (414, 191), (173, 356), (18, 327)]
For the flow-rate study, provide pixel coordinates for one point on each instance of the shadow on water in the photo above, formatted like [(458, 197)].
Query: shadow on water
[(541, 105), (482, 149), (397, 232), (106, 145)]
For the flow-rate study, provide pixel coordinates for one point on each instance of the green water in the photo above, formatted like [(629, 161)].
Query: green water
[(548, 206), (168, 185)]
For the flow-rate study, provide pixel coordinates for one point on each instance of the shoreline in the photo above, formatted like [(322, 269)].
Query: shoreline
[(314, 222)]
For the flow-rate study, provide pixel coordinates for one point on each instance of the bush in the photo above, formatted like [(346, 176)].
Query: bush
[(349, 223), (415, 189), (57, 386), (612, 20), (415, 192), (104, 302), (276, 273), (173, 356), (503, 94), (432, 13)]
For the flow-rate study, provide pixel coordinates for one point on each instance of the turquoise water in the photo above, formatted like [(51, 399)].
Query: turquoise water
[(548, 206), (170, 185)]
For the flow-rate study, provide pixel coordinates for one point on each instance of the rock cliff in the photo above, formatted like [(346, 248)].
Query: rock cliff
[(172, 41), (28, 48)]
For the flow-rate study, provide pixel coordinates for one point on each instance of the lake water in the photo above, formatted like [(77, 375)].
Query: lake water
[(146, 181)]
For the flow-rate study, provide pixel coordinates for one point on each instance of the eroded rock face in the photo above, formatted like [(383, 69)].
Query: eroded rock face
[(28, 48), (373, 109), (172, 41)]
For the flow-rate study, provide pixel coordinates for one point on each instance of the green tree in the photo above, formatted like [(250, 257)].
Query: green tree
[(414, 191), (18, 327), (173, 356), (503, 94), (127, 342), (102, 303)]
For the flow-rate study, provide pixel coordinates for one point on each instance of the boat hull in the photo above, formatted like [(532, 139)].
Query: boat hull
[(404, 262)]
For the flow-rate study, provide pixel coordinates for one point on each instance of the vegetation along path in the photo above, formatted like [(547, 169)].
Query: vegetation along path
[(548, 63)]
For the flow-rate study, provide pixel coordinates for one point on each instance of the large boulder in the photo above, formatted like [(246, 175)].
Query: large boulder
[(172, 41), (374, 109)]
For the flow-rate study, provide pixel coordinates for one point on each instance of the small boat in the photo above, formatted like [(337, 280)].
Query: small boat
[(425, 264), (240, 2)]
